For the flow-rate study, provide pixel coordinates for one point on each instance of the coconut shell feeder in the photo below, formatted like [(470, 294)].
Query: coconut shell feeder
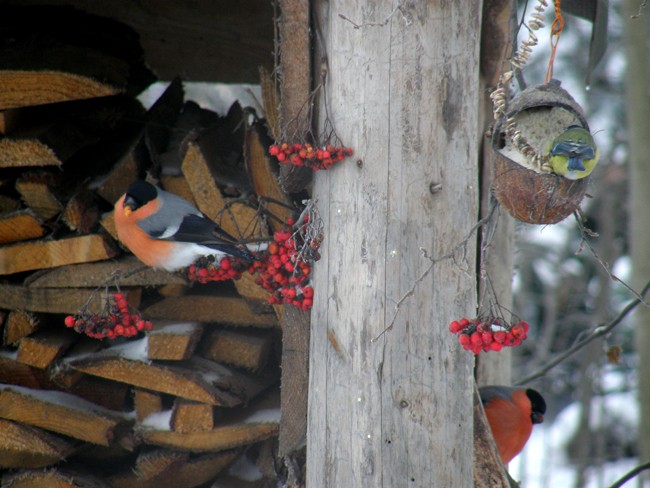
[(522, 182)]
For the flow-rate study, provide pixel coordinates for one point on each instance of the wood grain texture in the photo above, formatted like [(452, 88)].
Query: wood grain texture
[(22, 446), (488, 469), (126, 271), (19, 226), (498, 24), (171, 343), (223, 310), (188, 416), (19, 405), (146, 402), (195, 472), (403, 94), (27, 256)]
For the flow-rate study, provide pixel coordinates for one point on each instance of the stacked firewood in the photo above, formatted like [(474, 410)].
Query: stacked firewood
[(193, 402)]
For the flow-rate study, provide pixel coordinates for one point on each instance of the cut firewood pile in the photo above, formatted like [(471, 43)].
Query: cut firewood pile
[(194, 401)]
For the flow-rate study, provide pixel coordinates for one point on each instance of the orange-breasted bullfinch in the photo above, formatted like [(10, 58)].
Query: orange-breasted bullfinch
[(511, 413), (166, 231)]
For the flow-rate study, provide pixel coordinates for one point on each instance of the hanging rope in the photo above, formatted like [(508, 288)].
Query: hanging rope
[(556, 29)]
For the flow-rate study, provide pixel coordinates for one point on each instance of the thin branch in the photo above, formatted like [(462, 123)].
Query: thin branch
[(596, 332), (629, 475), (584, 231), (451, 255), (397, 8)]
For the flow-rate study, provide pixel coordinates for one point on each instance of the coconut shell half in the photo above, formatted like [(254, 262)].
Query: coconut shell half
[(528, 195)]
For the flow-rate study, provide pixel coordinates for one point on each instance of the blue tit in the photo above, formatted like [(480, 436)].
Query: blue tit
[(573, 154)]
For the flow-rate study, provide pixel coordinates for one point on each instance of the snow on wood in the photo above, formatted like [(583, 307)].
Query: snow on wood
[(59, 412)]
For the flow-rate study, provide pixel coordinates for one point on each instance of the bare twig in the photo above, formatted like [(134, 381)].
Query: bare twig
[(640, 11), (461, 246), (596, 332), (630, 474), (588, 232), (397, 8)]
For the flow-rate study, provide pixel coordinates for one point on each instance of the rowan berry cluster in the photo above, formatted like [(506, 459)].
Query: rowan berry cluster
[(309, 156), (285, 266), (209, 269), (115, 320), (478, 335)]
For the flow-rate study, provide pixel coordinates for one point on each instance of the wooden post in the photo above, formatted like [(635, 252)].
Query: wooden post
[(392, 406)]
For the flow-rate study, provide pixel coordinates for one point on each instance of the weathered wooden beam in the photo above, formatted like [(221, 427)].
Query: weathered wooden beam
[(22, 446), (386, 377), (200, 308), (157, 463), (58, 412), (31, 255)]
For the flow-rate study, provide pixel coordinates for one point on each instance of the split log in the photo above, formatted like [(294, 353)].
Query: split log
[(47, 300), (41, 349), (49, 254), (246, 426), (197, 379), (126, 271), (81, 213), (146, 402), (18, 325), (58, 412), (194, 472), (153, 464), (188, 416), (224, 310), (28, 447), (15, 373), (175, 341), (119, 178), (36, 191), (53, 478), (241, 348), (264, 175), (23, 153), (20, 226)]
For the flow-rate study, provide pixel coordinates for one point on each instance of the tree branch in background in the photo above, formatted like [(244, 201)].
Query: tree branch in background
[(596, 332), (629, 475)]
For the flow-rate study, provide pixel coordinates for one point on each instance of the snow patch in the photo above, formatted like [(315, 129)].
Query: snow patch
[(160, 421), (264, 416)]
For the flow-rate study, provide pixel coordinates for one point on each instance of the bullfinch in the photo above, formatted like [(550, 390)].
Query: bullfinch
[(573, 154), (511, 413), (166, 231)]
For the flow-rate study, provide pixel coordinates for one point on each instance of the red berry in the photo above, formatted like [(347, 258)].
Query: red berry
[(281, 157), (274, 150), (455, 327), (307, 302), (464, 322), (464, 339), (487, 337), (495, 346), (308, 292), (69, 321), (476, 339), (118, 330), (499, 336)]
